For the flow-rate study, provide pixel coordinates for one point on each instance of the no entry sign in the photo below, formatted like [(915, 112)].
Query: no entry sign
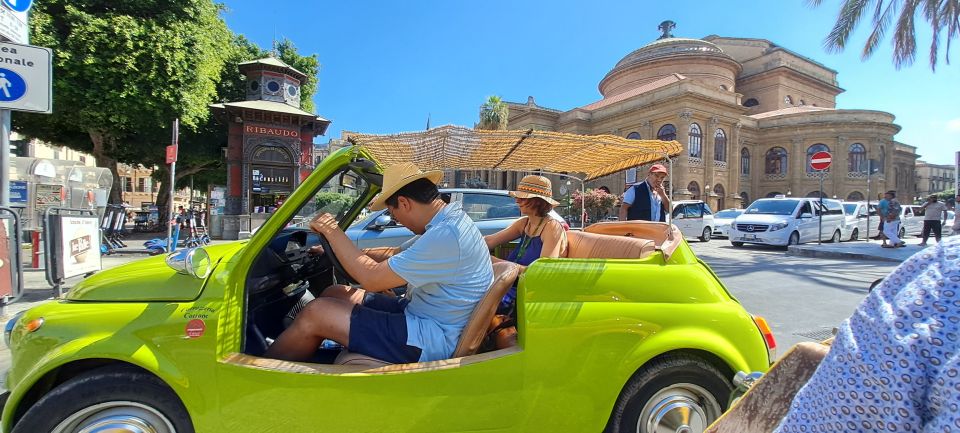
[(820, 161)]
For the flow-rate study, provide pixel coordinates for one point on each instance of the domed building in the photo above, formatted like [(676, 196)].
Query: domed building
[(749, 114)]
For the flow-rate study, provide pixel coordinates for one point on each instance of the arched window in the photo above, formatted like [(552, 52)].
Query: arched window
[(819, 147), (720, 146), (694, 189), (814, 194), (802, 102), (788, 100), (744, 199), (744, 162), (721, 193), (667, 132), (776, 161), (855, 196), (696, 141), (752, 102), (633, 136), (857, 159), (724, 87), (773, 194)]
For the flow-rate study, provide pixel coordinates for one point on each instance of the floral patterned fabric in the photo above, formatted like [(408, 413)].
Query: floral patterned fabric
[(895, 364)]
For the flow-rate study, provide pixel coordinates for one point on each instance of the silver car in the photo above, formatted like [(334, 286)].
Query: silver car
[(492, 210)]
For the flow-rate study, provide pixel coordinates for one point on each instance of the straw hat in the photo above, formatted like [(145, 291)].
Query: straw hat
[(535, 186), (398, 176)]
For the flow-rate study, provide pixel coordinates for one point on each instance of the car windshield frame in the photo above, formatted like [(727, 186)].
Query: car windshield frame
[(302, 216), (772, 207)]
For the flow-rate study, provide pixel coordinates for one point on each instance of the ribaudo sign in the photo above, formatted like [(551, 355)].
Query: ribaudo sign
[(276, 132)]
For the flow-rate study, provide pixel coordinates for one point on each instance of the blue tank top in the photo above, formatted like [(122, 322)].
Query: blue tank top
[(526, 253)]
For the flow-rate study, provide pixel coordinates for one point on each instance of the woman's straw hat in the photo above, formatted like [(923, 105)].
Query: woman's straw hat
[(534, 186), (398, 176)]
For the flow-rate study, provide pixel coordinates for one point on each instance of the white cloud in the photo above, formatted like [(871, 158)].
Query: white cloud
[(953, 125)]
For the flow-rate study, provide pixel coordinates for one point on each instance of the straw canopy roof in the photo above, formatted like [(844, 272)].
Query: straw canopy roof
[(458, 148)]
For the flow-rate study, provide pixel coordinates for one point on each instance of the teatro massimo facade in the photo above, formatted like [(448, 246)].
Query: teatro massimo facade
[(749, 114)]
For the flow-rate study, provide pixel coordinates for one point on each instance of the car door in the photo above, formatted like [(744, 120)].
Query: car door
[(684, 217), (809, 226)]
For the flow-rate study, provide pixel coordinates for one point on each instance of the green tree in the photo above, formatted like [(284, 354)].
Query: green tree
[(493, 114), (942, 15), (124, 71), (598, 202)]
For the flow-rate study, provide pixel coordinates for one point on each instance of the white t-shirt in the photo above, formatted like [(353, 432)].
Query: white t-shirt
[(934, 211)]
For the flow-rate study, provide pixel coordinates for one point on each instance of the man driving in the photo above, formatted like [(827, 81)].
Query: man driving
[(447, 271)]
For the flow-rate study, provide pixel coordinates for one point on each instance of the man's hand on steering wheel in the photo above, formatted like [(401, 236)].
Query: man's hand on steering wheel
[(324, 224)]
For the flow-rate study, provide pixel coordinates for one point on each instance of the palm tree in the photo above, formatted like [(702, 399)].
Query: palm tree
[(493, 114), (943, 16)]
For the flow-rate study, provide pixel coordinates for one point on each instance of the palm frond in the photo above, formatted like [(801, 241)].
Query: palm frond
[(847, 20), (950, 16), (904, 35), (880, 23), (931, 11)]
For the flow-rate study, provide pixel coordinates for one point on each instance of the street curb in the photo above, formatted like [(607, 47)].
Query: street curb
[(795, 250)]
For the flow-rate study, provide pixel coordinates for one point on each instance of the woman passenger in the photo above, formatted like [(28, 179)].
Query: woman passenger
[(540, 235)]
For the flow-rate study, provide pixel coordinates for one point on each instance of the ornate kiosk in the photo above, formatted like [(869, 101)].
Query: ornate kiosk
[(269, 144)]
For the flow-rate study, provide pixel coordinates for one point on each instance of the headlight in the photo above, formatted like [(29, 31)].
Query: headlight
[(779, 226), (7, 330)]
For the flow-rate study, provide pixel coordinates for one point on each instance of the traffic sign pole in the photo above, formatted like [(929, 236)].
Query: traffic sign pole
[(820, 223), (173, 185), (5, 158)]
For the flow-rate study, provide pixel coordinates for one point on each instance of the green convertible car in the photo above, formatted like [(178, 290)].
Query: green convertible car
[(629, 333)]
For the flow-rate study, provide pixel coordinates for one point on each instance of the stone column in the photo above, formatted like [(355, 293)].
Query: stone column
[(682, 170), (733, 164), (797, 172), (709, 155), (839, 168)]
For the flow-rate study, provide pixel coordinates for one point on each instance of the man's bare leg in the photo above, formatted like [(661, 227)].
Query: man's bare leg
[(346, 293), (323, 318)]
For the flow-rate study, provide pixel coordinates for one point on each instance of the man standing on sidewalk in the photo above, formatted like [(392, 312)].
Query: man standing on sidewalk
[(891, 227), (935, 215), (883, 207)]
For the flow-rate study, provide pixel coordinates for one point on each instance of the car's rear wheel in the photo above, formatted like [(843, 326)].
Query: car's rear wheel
[(836, 237), (108, 399), (902, 234), (673, 393), (855, 236), (705, 236)]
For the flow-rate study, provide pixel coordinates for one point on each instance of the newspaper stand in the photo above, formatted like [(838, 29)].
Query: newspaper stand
[(11, 269), (71, 244)]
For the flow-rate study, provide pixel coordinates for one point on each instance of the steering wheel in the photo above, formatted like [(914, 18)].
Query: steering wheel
[(337, 266)]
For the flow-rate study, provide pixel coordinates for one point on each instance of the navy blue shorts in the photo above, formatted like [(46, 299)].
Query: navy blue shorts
[(378, 328)]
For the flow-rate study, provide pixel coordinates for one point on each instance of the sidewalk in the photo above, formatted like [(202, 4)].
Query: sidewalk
[(862, 250)]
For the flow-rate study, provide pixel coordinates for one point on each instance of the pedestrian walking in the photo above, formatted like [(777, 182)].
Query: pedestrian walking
[(891, 228), (883, 207), (934, 217), (647, 200)]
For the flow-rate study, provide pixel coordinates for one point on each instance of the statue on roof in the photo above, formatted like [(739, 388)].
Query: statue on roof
[(665, 28)]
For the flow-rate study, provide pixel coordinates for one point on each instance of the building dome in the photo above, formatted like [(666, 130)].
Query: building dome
[(665, 56)]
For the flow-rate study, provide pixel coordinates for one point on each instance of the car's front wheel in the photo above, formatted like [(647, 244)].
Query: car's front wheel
[(705, 236), (855, 236), (108, 399), (672, 393)]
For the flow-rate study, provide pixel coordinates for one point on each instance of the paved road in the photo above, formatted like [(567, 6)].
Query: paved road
[(797, 295)]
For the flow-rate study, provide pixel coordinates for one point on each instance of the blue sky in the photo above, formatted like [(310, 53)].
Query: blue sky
[(387, 65)]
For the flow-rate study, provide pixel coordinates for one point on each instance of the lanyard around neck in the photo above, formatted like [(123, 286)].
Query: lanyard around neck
[(527, 238)]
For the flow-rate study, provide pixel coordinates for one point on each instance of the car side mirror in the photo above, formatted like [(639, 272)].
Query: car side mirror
[(806, 215), (193, 261), (381, 222)]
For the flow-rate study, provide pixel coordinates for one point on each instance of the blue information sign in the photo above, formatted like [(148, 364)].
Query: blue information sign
[(12, 86), (18, 191), (18, 5)]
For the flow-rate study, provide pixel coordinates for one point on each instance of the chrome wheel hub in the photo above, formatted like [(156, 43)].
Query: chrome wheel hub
[(116, 417), (680, 408)]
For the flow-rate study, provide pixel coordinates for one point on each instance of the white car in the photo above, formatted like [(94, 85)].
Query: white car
[(948, 226), (787, 221), (694, 218), (722, 221), (860, 221)]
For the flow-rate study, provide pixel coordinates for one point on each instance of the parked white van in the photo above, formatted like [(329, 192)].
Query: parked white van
[(787, 221), (859, 219), (694, 218)]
